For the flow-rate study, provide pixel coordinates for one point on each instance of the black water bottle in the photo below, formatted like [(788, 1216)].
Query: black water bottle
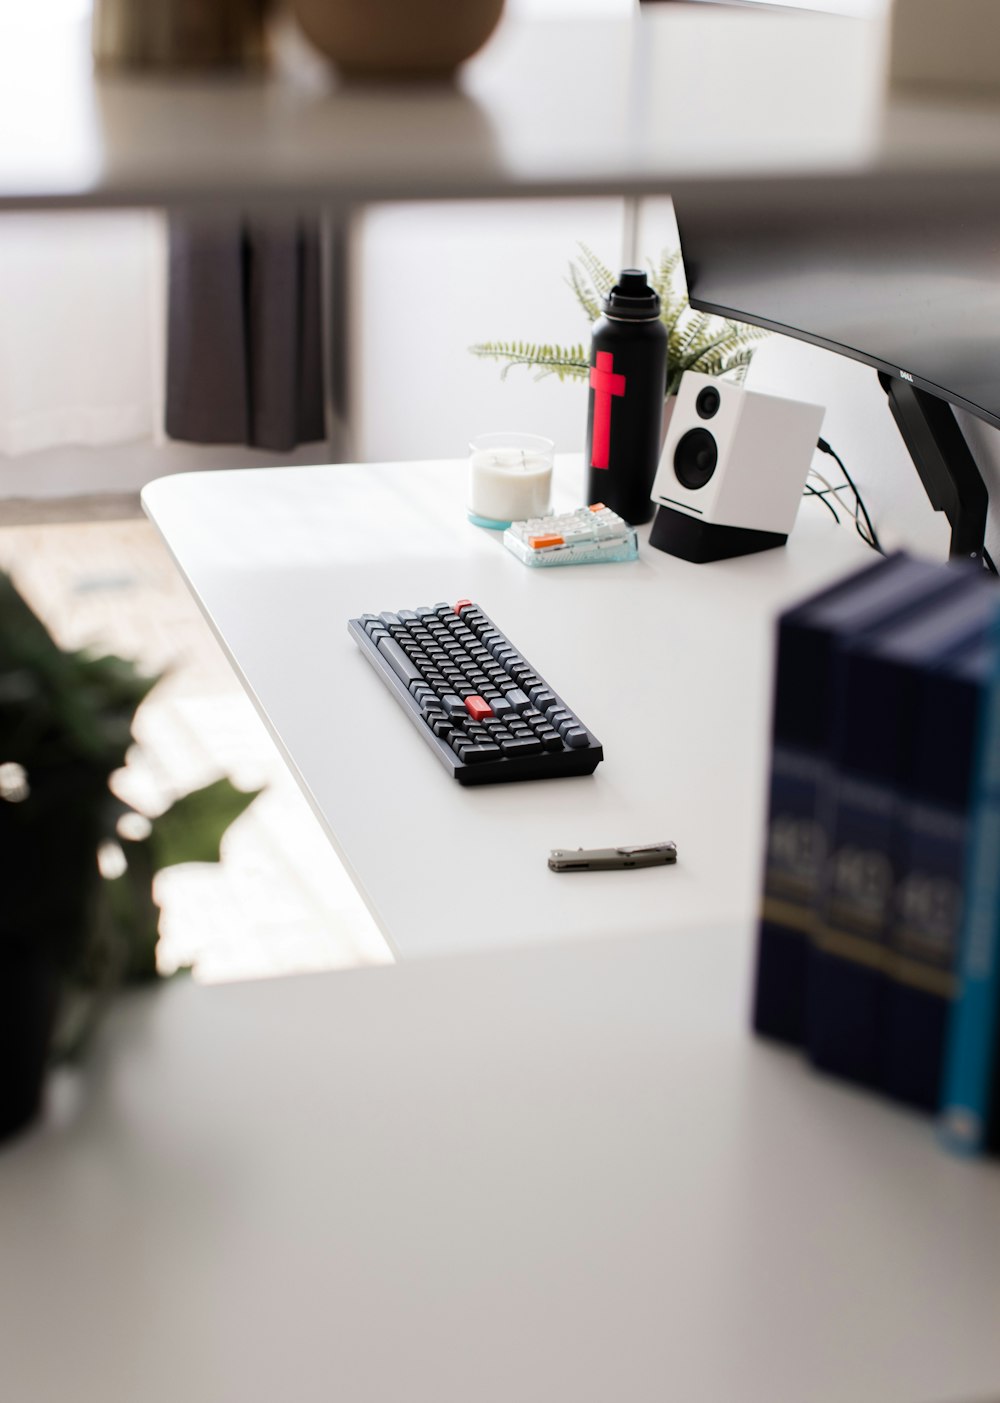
[(628, 382)]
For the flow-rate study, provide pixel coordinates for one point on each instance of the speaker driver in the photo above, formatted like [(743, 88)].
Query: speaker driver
[(695, 458)]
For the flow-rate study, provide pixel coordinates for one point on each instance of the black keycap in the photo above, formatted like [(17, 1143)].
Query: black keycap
[(476, 754), (522, 745)]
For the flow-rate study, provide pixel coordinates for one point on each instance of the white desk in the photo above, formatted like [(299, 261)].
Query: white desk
[(668, 663), (564, 1175)]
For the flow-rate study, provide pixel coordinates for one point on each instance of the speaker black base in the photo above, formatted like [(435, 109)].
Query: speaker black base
[(701, 541)]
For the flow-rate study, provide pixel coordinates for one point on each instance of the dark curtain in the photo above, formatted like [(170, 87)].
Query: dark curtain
[(244, 342)]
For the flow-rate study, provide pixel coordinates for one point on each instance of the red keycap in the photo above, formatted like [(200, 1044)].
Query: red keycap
[(478, 708), (463, 604)]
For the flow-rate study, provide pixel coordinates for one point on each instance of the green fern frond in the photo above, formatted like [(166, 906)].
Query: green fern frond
[(599, 273), (570, 362), (712, 352), (667, 280), (687, 336), (584, 293)]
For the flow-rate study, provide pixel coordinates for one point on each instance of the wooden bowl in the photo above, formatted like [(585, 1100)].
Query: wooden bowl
[(398, 39)]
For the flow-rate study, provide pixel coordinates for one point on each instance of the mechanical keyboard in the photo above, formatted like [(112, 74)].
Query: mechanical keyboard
[(587, 536), (479, 704)]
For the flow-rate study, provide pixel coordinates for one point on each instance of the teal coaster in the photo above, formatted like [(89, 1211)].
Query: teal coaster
[(488, 522)]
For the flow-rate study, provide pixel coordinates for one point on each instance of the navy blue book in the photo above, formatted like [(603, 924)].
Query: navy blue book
[(925, 922), (801, 728), (970, 1102), (878, 680)]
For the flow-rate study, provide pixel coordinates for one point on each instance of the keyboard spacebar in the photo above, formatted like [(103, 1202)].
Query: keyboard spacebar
[(398, 661)]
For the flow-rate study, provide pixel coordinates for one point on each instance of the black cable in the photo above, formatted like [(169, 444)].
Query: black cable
[(871, 539), (815, 492)]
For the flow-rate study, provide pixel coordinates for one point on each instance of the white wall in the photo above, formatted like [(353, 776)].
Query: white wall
[(437, 278)]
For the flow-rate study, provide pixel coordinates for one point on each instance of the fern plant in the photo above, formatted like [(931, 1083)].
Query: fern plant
[(695, 340)]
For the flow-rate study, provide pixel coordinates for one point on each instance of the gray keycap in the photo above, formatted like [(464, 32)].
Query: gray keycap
[(576, 738), (453, 705), (398, 661), (518, 700)]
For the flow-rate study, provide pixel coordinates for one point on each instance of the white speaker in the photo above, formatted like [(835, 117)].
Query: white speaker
[(732, 470)]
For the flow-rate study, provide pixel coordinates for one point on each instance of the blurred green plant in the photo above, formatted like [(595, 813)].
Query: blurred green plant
[(78, 891), (695, 340)]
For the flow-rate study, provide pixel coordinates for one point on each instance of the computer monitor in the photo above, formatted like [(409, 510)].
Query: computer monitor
[(906, 287)]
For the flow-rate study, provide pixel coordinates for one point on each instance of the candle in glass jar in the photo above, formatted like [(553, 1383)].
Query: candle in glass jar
[(510, 478)]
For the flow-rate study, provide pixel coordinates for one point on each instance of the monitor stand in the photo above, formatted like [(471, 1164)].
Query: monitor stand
[(942, 458)]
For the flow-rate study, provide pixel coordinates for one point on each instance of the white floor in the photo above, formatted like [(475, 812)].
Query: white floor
[(280, 901)]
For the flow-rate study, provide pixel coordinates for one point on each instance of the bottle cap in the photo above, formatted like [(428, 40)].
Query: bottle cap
[(631, 298)]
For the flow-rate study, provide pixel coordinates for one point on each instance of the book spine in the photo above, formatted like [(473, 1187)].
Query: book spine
[(845, 974), (922, 952), (793, 868), (972, 1033)]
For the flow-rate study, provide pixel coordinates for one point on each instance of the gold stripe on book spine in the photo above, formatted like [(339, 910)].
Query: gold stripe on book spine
[(889, 962), (788, 913)]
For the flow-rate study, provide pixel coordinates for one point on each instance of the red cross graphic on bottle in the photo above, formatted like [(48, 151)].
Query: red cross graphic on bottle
[(605, 384)]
